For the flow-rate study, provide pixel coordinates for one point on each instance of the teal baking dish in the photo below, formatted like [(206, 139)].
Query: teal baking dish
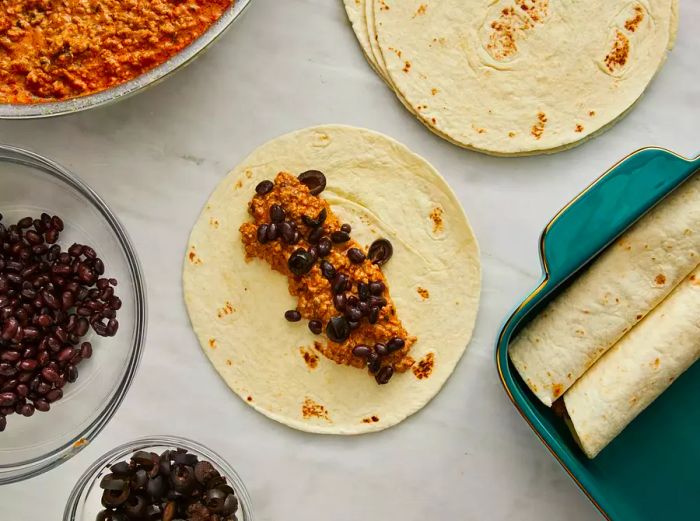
[(652, 470)]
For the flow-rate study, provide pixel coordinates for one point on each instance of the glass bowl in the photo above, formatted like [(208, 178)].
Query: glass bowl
[(126, 89), (29, 185), (84, 501)]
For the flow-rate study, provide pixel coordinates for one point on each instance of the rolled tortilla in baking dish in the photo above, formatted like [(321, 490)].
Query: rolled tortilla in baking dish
[(641, 366), (629, 279)]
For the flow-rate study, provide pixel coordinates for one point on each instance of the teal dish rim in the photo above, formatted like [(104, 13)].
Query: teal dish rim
[(669, 171)]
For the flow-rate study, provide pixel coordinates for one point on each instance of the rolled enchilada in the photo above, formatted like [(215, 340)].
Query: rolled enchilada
[(641, 366), (625, 283)]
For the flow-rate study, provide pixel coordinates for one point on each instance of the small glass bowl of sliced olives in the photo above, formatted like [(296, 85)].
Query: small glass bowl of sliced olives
[(163, 478)]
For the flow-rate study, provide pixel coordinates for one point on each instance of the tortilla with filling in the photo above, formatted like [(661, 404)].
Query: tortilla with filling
[(641, 366), (516, 77), (381, 189), (625, 283)]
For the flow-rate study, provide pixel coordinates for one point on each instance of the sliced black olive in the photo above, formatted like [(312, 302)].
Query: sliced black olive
[(204, 471), (143, 459), (111, 482), (135, 507), (300, 262), (182, 478), (214, 500), (114, 498), (318, 221), (380, 252), (121, 468), (314, 180), (231, 504), (156, 487), (338, 329)]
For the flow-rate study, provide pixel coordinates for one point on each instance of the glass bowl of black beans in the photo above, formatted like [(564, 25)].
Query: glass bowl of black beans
[(72, 314), (164, 478)]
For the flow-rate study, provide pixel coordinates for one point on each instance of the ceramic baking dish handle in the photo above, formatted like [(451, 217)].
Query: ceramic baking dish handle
[(609, 206)]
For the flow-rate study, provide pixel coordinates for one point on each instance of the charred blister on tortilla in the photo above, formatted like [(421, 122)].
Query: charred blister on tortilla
[(340, 286)]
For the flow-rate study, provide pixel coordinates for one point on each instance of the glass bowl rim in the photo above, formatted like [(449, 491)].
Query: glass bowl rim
[(38, 465), (134, 85), (75, 499)]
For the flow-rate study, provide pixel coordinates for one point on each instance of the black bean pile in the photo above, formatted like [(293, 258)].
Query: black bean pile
[(49, 300), (353, 308), (172, 486)]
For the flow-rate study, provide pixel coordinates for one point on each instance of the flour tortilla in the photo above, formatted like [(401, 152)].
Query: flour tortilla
[(437, 58), (382, 189), (355, 10), (641, 366), (627, 281)]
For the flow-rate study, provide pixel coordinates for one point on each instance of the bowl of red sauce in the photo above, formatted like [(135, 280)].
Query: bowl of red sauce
[(62, 57)]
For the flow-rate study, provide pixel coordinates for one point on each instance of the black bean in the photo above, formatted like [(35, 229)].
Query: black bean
[(356, 255), (272, 232), (327, 270), (262, 233), (361, 351), (339, 283), (287, 232), (373, 316), (339, 237), (339, 301), (363, 291), (292, 315), (315, 235), (277, 213), (264, 187), (345, 227), (381, 349), (316, 326), (324, 247), (373, 363), (338, 329), (395, 344), (313, 252), (353, 314), (314, 180), (384, 375), (376, 288)]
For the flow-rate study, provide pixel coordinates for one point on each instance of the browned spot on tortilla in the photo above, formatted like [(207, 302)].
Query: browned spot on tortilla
[(591, 113), (578, 128), (436, 217), (568, 375), (618, 55), (421, 107), (479, 130), (229, 362), (634, 400), (639, 317), (538, 128), (383, 6), (373, 419), (511, 134), (421, 10), (633, 23), (397, 52), (212, 343), (557, 389), (214, 223), (660, 279), (249, 173), (434, 91), (250, 398), (532, 385), (655, 364), (311, 409), (424, 368), (309, 357), (194, 258), (512, 25), (433, 121), (424, 293), (407, 66), (238, 184), (226, 310)]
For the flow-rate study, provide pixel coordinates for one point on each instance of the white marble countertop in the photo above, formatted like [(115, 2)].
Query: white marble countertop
[(155, 157)]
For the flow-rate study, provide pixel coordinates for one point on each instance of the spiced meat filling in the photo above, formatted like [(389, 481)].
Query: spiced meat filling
[(339, 285)]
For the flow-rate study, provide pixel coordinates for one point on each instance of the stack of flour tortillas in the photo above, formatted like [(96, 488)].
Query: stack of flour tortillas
[(515, 77), (625, 329)]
